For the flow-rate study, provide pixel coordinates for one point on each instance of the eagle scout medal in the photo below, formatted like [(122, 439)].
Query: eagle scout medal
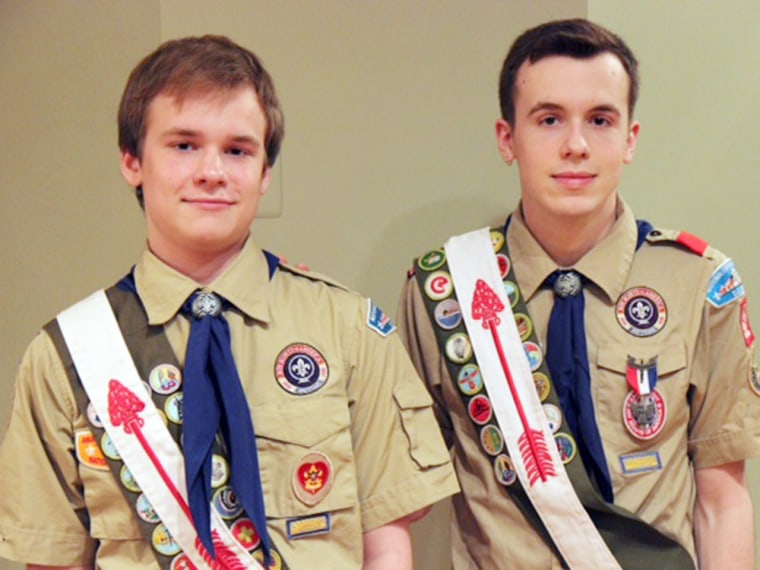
[(438, 285), (644, 415), (641, 311), (312, 478), (641, 376), (504, 470), (447, 314), (301, 369)]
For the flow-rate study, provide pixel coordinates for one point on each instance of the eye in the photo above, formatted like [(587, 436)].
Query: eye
[(237, 151), (549, 121), (601, 121), (183, 146)]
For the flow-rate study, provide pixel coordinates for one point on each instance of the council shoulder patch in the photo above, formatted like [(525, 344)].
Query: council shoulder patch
[(378, 321), (725, 285)]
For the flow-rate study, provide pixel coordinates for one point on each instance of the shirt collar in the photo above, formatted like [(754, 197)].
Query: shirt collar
[(245, 284), (607, 264)]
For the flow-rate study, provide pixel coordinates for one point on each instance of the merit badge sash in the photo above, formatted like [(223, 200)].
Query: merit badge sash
[(508, 378), (497, 367), (138, 435)]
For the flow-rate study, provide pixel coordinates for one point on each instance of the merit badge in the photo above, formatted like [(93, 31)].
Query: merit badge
[(641, 311), (92, 415), (108, 448), (301, 369), (173, 408), (128, 480), (469, 380), (181, 562), (725, 285), (566, 446), (749, 336), (553, 416), (458, 348), (145, 510), (312, 478), (226, 503), (644, 415), (163, 542), (479, 409), (432, 260), (644, 462), (641, 376), (308, 526), (513, 293), (165, 379), (754, 378), (504, 265), (379, 321), (534, 354), (276, 559), (491, 440), (438, 285), (447, 314), (524, 326), (245, 533), (88, 451), (542, 384), (220, 470), (504, 470), (497, 239)]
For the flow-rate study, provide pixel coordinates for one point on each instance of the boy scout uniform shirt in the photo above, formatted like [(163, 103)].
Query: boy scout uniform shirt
[(372, 419), (706, 377)]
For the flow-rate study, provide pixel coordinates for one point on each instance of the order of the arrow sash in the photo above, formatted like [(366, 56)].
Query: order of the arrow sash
[(115, 389), (508, 380)]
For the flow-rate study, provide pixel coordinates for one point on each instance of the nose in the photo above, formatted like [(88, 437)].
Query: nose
[(575, 145), (210, 172)]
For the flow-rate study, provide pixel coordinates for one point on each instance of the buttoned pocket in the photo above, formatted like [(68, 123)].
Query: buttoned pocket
[(426, 445)]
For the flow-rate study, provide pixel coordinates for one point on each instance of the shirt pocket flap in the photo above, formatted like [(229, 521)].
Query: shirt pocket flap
[(426, 446), (671, 356), (298, 424)]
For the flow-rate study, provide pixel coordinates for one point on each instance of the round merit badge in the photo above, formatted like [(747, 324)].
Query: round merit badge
[(534, 354), (504, 265), (226, 502), (497, 239), (542, 384), (480, 410), (432, 260), (504, 470), (553, 416), (301, 369), (164, 542), (438, 285), (513, 293), (566, 446), (644, 415), (469, 380), (458, 348), (524, 326), (312, 478), (165, 379), (447, 314), (245, 533), (491, 440), (641, 311)]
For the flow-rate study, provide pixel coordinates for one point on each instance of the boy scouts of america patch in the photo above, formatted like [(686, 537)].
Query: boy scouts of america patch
[(379, 321), (725, 285), (301, 369), (641, 311)]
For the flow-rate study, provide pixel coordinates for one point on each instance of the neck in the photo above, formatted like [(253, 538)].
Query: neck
[(567, 239), (199, 265)]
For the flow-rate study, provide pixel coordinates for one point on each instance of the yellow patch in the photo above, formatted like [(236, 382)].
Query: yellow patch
[(88, 451)]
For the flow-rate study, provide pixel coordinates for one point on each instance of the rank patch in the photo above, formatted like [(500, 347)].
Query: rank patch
[(378, 321), (635, 463), (312, 478), (725, 285), (641, 311), (308, 526), (301, 369), (88, 451)]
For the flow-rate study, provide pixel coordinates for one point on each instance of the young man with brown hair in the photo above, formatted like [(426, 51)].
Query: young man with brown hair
[(132, 443), (594, 375)]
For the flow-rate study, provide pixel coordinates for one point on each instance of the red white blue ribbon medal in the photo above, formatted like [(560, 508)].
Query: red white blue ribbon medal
[(644, 411)]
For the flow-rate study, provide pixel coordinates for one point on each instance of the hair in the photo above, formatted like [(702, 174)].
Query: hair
[(576, 38), (195, 65)]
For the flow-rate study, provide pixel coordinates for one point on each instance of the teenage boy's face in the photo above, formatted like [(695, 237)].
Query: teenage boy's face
[(571, 136), (203, 171)]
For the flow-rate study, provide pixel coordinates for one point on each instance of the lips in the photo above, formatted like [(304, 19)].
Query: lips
[(574, 179)]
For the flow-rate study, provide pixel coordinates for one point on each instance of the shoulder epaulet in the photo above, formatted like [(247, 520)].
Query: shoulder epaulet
[(312, 275), (689, 241)]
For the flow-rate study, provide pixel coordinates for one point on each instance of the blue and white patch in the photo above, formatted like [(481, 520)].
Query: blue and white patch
[(644, 462), (725, 285), (301, 369), (308, 526), (379, 321)]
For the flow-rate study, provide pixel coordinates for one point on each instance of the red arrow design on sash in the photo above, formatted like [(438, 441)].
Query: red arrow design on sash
[(486, 306)]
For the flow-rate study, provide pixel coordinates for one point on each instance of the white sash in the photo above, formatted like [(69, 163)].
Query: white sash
[(471, 259), (100, 355)]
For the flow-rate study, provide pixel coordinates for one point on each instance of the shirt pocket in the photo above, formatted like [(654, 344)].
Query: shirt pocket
[(305, 434), (426, 446)]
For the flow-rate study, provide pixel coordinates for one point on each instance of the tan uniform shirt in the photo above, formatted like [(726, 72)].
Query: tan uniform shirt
[(704, 361), (371, 418)]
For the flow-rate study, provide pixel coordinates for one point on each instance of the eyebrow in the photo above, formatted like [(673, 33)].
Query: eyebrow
[(182, 132), (542, 106)]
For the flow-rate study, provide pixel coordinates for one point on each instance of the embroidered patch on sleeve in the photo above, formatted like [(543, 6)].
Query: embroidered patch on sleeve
[(88, 451), (725, 285), (379, 321), (635, 463), (308, 526)]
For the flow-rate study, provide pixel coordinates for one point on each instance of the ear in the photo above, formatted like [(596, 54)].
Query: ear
[(504, 140), (266, 178), (131, 169), (630, 142)]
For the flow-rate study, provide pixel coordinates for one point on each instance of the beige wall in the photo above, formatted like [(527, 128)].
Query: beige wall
[(389, 147)]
